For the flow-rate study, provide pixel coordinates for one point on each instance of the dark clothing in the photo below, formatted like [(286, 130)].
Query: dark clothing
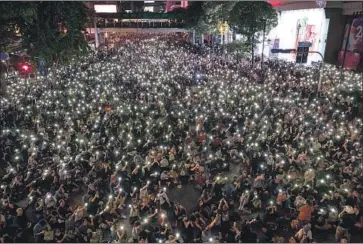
[(351, 201), (348, 221), (20, 221)]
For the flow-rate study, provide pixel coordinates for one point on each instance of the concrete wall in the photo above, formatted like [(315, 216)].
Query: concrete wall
[(349, 8)]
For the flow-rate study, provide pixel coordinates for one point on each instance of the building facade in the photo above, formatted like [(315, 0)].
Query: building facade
[(324, 24)]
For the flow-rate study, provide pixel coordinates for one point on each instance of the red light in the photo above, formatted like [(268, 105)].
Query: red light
[(275, 3), (25, 67)]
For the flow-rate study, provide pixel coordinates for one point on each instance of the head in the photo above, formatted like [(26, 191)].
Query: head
[(343, 240), (62, 203), (225, 208), (19, 211)]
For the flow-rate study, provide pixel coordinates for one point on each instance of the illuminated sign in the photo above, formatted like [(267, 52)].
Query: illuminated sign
[(149, 8), (105, 8)]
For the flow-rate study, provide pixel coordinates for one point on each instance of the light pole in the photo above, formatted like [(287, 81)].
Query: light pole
[(321, 68), (294, 51), (298, 27), (97, 41), (346, 47)]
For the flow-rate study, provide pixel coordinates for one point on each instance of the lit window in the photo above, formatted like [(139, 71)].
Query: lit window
[(149, 9)]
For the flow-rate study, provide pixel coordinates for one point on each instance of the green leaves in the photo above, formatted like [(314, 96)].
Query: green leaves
[(14, 16), (49, 30), (204, 17), (248, 18), (215, 13)]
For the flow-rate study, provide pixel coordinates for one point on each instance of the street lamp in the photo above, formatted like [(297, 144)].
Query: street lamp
[(298, 27)]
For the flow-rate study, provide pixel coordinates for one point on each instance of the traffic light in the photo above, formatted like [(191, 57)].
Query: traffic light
[(25, 68)]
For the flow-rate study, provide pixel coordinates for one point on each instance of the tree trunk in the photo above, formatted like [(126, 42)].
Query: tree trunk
[(3, 80), (252, 49), (97, 40), (212, 43)]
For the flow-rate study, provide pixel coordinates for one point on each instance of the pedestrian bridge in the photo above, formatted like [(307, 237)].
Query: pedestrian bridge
[(140, 30), (138, 22)]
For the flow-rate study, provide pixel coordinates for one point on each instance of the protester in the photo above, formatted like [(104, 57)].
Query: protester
[(97, 150)]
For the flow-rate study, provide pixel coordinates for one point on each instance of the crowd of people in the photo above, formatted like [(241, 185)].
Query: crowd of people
[(93, 150)]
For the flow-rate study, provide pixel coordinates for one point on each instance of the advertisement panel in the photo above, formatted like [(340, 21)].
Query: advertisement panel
[(354, 47), (355, 37), (275, 45), (352, 60)]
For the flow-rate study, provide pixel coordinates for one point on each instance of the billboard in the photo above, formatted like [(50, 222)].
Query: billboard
[(352, 60), (354, 47), (305, 25), (355, 36)]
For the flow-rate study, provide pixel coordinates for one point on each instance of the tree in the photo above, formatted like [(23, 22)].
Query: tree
[(215, 13), (191, 16), (57, 33), (204, 17), (14, 17), (251, 18), (49, 30)]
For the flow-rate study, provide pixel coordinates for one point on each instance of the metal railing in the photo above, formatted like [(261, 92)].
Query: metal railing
[(141, 24)]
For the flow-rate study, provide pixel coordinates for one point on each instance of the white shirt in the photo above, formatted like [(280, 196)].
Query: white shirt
[(162, 197)]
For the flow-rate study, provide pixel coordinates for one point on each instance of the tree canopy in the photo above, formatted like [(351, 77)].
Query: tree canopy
[(245, 17), (204, 17), (249, 18), (49, 30), (15, 17)]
